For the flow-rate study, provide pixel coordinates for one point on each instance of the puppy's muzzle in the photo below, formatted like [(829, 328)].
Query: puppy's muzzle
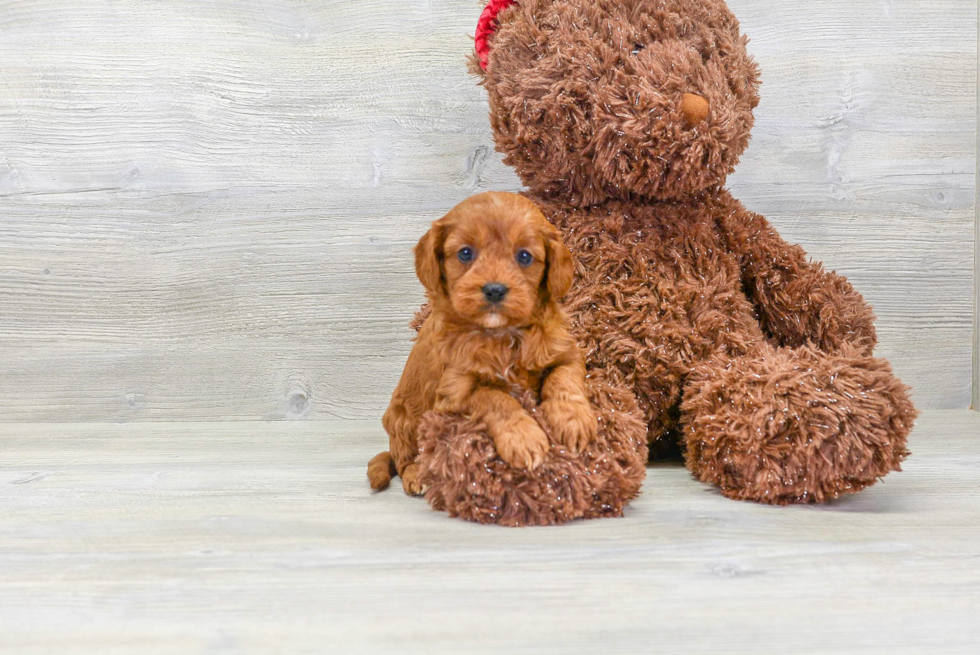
[(494, 292)]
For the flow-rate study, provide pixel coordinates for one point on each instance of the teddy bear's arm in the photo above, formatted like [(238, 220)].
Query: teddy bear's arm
[(796, 300)]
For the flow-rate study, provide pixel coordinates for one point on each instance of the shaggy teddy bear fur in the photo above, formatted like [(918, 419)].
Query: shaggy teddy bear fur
[(754, 358), (464, 475)]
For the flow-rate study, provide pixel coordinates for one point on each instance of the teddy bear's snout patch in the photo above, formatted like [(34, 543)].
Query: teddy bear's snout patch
[(695, 109)]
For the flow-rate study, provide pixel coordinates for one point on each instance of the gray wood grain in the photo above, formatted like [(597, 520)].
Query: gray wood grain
[(976, 261), (206, 209), (264, 537)]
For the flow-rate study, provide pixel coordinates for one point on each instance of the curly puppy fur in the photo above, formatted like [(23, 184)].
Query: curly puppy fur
[(624, 118), (463, 475), (493, 268)]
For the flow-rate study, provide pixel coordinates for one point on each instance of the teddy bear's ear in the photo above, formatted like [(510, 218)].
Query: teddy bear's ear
[(486, 26), (428, 259), (560, 265)]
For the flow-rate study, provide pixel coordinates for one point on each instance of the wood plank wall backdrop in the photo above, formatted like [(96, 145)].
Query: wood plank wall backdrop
[(207, 208)]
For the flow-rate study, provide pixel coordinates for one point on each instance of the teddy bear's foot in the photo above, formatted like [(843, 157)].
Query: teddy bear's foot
[(793, 426), (465, 476)]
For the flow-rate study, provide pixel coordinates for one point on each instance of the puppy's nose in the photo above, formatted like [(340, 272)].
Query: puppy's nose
[(494, 291)]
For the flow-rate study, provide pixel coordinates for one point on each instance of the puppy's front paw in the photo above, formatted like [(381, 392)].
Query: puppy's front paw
[(520, 442), (412, 480), (573, 424)]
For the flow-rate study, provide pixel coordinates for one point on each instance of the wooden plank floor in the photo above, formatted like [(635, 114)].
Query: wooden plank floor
[(249, 537)]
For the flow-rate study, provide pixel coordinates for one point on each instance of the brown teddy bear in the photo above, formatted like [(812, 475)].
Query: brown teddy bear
[(623, 118)]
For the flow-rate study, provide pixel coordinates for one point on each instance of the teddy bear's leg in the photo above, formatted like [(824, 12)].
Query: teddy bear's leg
[(464, 475), (783, 425)]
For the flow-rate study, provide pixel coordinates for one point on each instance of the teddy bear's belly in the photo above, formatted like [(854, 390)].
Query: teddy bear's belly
[(648, 304)]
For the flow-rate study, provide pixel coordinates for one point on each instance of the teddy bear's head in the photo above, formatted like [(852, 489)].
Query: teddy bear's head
[(599, 99)]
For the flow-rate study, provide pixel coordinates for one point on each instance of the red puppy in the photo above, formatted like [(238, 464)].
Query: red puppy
[(493, 269)]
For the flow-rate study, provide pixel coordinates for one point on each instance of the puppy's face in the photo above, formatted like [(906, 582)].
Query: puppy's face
[(496, 259)]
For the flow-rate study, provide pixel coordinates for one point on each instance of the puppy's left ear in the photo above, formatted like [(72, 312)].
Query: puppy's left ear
[(428, 259), (560, 266)]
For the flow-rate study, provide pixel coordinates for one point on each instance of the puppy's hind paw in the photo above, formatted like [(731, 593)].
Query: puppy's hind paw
[(412, 480)]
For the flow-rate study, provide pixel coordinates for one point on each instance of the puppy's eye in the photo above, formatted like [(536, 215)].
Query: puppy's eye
[(465, 255), (524, 258)]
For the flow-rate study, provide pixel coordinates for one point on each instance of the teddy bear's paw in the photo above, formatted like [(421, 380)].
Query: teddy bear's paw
[(795, 426), (520, 442), (572, 424)]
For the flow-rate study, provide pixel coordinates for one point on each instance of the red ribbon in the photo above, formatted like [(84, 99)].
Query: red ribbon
[(487, 26)]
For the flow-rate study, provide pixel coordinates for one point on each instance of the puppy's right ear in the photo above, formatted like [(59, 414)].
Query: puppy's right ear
[(561, 266), (428, 259)]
